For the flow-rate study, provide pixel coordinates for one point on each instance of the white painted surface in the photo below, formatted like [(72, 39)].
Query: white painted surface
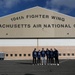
[(57, 42), (33, 42), (18, 42)]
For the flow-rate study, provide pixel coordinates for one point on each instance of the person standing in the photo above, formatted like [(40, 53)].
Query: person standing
[(47, 55), (56, 55), (34, 55), (52, 56), (39, 57), (43, 56)]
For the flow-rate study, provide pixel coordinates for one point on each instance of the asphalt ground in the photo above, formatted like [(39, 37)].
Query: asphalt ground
[(24, 67)]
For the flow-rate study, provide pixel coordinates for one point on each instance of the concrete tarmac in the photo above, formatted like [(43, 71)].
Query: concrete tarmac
[(24, 67)]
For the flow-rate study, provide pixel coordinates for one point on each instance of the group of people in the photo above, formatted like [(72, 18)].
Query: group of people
[(45, 57)]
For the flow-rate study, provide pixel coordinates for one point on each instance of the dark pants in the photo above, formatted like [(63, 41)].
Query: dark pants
[(34, 60), (52, 60), (38, 60), (1, 58), (48, 60), (56, 60)]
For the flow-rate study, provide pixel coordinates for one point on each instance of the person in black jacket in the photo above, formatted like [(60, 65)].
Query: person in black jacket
[(34, 55), (47, 55), (39, 57), (52, 56), (43, 54), (56, 55)]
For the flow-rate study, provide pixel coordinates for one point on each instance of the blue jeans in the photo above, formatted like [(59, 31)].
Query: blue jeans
[(43, 60)]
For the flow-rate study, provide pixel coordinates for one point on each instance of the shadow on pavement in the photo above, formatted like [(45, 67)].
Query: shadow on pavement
[(29, 74), (25, 63)]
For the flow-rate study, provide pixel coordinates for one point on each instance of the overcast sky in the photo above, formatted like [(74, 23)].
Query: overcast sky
[(63, 6)]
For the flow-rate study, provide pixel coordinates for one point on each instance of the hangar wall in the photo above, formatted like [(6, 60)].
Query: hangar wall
[(36, 22), (21, 49), (25, 53)]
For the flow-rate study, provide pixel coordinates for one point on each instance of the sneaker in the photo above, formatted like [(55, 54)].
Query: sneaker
[(42, 64), (54, 64), (57, 64), (37, 64), (32, 64), (51, 64), (47, 64)]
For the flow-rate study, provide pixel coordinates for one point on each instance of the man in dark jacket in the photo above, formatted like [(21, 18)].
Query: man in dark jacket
[(56, 54), (47, 55), (43, 53), (39, 57), (52, 56), (34, 55)]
